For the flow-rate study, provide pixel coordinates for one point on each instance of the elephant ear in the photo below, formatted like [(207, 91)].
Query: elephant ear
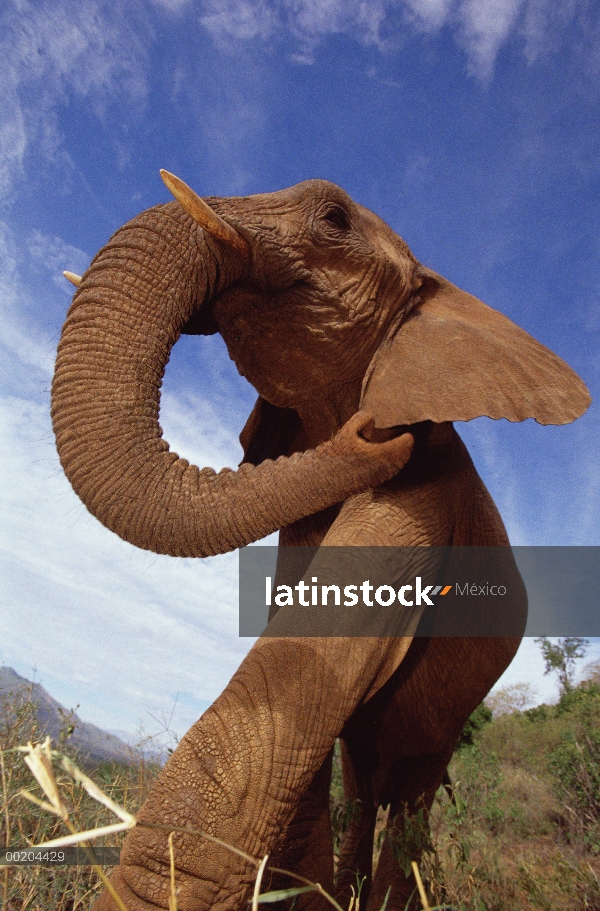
[(268, 432), (454, 359)]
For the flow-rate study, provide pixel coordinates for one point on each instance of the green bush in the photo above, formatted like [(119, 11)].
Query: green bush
[(575, 765), (538, 713), (475, 722)]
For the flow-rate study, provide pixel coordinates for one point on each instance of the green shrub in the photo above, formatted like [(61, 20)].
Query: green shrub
[(539, 713), (585, 694), (575, 764), (475, 722)]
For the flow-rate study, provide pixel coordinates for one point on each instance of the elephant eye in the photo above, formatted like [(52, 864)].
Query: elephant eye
[(337, 218)]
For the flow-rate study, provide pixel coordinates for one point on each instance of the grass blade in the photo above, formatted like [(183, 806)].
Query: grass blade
[(282, 894)]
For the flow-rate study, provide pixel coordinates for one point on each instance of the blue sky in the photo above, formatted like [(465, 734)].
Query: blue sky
[(471, 126)]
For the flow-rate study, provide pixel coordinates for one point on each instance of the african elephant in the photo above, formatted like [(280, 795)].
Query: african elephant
[(362, 358)]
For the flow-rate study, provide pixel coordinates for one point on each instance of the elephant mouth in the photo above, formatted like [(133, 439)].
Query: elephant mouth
[(202, 321), (238, 297)]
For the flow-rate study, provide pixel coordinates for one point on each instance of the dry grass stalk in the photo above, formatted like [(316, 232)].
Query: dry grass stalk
[(173, 895), (258, 882), (7, 823), (420, 887)]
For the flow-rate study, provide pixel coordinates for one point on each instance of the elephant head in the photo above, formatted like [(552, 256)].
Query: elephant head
[(325, 311)]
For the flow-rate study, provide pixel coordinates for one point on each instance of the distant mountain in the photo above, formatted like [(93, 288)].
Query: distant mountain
[(94, 744)]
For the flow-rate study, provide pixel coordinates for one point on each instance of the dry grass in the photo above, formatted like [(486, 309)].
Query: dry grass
[(73, 800), (521, 831), (23, 823)]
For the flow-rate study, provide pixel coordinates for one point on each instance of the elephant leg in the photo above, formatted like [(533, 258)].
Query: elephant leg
[(356, 852), (413, 788), (306, 846), (241, 770), (416, 719)]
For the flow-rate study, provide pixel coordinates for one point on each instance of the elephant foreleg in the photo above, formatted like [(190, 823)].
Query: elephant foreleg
[(306, 846), (411, 794), (240, 772), (356, 852)]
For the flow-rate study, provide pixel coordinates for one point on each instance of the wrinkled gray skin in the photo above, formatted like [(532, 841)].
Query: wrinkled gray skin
[(315, 308)]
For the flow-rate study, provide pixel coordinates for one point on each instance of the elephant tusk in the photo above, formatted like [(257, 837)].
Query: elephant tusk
[(206, 217), (73, 278)]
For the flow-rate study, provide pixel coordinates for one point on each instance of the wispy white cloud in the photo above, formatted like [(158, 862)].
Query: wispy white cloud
[(173, 6), (26, 345), (240, 19), (490, 455), (54, 50), (485, 29), (313, 18), (51, 51), (308, 21), (53, 255), (536, 510), (546, 26), (481, 28), (428, 15), (195, 430)]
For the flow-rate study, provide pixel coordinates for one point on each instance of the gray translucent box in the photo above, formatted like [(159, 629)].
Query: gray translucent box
[(422, 591), (59, 857)]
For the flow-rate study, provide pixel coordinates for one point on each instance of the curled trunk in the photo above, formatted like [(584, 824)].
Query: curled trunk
[(153, 276)]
